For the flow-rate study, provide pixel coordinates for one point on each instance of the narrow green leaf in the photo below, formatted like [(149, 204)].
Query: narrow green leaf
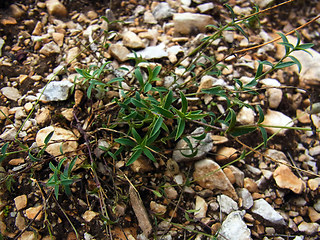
[(259, 70), (304, 46), (138, 103), (72, 163), (180, 129), (241, 130), (151, 139), (56, 191), (118, 79), (184, 102), (284, 65), (232, 120), (200, 137), (157, 126), (137, 73), (130, 116), (252, 83), (134, 157), (136, 135), (156, 71), (34, 159), (233, 16), (242, 31), (48, 137), (158, 194), (285, 40), (147, 87), (4, 148), (261, 114), (163, 112), (61, 163), (289, 45), (296, 61), (169, 100), (149, 154), (125, 141), (264, 135)]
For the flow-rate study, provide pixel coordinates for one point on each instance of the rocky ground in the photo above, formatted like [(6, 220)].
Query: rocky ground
[(272, 193)]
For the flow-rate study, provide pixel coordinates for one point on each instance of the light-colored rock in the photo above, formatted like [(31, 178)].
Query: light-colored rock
[(20, 202), (68, 114), (205, 7), (28, 235), (61, 136), (170, 191), (4, 112), (1, 45), (217, 139), (275, 118), (314, 183), (246, 198), (56, 8), (16, 11), (162, 11), (317, 205), (92, 15), (149, 18), (274, 97), (16, 161), (263, 3), (238, 174), (88, 216), (37, 31), (276, 155), (131, 40), (56, 91), (251, 185), (153, 52), (191, 23), (201, 208), (186, 3), (226, 154), (265, 211), (50, 49), (314, 151), (119, 52), (270, 82), (234, 228), (227, 204), (32, 212), (158, 208), (72, 54), (209, 175), (140, 212), (313, 214), (11, 93), (182, 147), (309, 228), (20, 221), (9, 134), (246, 116), (142, 164), (285, 178), (43, 116)]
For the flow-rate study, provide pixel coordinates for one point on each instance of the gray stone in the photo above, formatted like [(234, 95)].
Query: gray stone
[(263, 3), (56, 91), (264, 210), (227, 204), (153, 52), (9, 134), (119, 52), (245, 195), (131, 40), (317, 205), (1, 45), (201, 208), (234, 228), (11, 93), (203, 147), (309, 228), (50, 49), (274, 97), (191, 23), (162, 11)]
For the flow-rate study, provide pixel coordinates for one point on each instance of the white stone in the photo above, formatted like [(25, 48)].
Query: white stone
[(274, 97), (275, 118), (314, 151), (309, 228), (9, 134), (153, 52), (190, 23), (234, 228), (11, 93), (227, 204), (131, 40), (201, 208), (72, 54), (49, 49), (263, 3), (185, 2), (205, 7), (317, 205), (245, 195), (88, 216), (162, 11), (270, 82), (56, 91), (246, 116), (263, 209)]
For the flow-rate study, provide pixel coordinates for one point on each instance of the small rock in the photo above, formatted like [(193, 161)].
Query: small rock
[(9, 134), (16, 11), (186, 3), (274, 97), (170, 191), (50, 49), (238, 174), (20, 221), (275, 118), (92, 15), (251, 185), (88, 216), (208, 174), (11, 93), (309, 228), (314, 151), (68, 114), (43, 116), (131, 40), (8, 21), (37, 31), (264, 210), (317, 205), (205, 7), (119, 52), (149, 18), (285, 178), (16, 161), (162, 11), (141, 165), (28, 235), (20, 202), (276, 155), (61, 136), (158, 208), (247, 200), (227, 204), (32, 212), (72, 54), (153, 52), (56, 8), (263, 3), (191, 23), (234, 228), (313, 214), (4, 112), (314, 183), (201, 208), (226, 154), (270, 82), (56, 91), (246, 116)]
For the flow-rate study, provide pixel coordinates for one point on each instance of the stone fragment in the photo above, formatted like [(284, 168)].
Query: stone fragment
[(50, 49), (234, 228), (162, 11), (186, 3), (92, 15), (209, 175), (16, 11), (314, 183), (16, 161), (309, 228), (131, 40), (4, 112), (140, 212), (119, 52), (270, 82), (158, 208), (275, 118), (314, 151), (246, 116), (263, 3), (149, 18), (246, 198), (285, 178), (265, 211), (9, 134), (205, 7), (238, 174), (11, 93), (61, 136), (153, 52), (56, 91), (251, 185), (170, 191), (68, 114), (191, 23), (88, 216), (201, 208), (141, 165), (72, 54), (182, 147), (274, 97), (37, 31), (8, 21), (317, 205), (20, 221), (20, 202), (227, 204), (56, 8), (32, 212), (43, 116), (28, 235), (313, 214), (226, 154)]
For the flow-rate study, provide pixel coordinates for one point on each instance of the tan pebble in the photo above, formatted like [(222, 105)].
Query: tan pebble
[(28, 106), (313, 214), (226, 154), (298, 220), (20, 202), (4, 112), (158, 208), (92, 15), (56, 8), (16, 161), (303, 117), (89, 215), (141, 165), (43, 116), (37, 31), (22, 78), (313, 184), (251, 185), (68, 114), (20, 221), (248, 217), (215, 228), (72, 236), (28, 235), (228, 172), (8, 21), (219, 139), (58, 38), (32, 212)]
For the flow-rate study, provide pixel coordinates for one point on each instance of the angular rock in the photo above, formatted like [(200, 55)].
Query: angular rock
[(58, 38), (16, 11), (56, 91), (191, 23), (37, 31), (20, 221), (209, 175), (88, 216), (285, 178), (72, 54), (9, 134), (246, 116), (61, 136), (263, 3), (227, 204), (162, 11), (4, 112), (238, 174), (246, 198), (131, 40), (251, 185), (50, 49), (275, 118), (11, 93), (182, 147), (309, 228), (205, 7), (314, 183), (274, 97), (201, 208), (56, 8), (226, 154), (35, 212), (234, 228), (119, 52), (313, 214), (153, 52), (265, 211), (20, 202), (43, 116)]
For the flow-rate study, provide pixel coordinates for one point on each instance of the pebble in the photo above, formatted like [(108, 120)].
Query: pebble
[(162, 11), (247, 200), (234, 228), (11, 93), (20, 202), (313, 214), (209, 175), (33, 211), (158, 208), (16, 11), (28, 235), (37, 31), (314, 183), (227, 204), (251, 185), (226, 154), (88, 216), (238, 174), (56, 91), (56, 8), (191, 23), (149, 18), (200, 208), (285, 178), (152, 52), (309, 228), (20, 221), (246, 116), (170, 191), (72, 54), (314, 151), (141, 165), (263, 3), (317, 205), (9, 134), (43, 116), (274, 96), (131, 40), (205, 7), (275, 118), (50, 49), (119, 52), (264, 210)]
